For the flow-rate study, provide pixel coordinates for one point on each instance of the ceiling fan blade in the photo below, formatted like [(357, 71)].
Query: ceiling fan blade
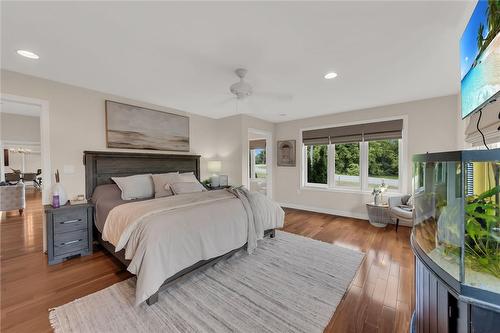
[(224, 100), (274, 95)]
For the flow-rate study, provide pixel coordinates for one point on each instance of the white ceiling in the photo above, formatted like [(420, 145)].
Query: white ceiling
[(182, 55), (19, 108)]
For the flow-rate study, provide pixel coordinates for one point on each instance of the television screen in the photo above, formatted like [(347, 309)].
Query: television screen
[(480, 56)]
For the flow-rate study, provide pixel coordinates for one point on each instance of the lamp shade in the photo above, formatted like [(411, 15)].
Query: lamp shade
[(214, 166)]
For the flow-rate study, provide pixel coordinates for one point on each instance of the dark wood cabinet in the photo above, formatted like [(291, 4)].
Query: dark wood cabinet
[(439, 308), (69, 231)]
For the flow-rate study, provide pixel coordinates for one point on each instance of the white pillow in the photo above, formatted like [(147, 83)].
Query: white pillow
[(135, 187), (162, 183), (187, 177), (187, 187)]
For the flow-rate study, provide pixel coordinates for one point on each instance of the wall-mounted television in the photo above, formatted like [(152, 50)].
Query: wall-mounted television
[(480, 57)]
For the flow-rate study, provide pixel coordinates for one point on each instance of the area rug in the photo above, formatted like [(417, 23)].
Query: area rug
[(289, 284)]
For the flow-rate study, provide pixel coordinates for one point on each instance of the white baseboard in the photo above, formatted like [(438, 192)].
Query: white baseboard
[(330, 211)]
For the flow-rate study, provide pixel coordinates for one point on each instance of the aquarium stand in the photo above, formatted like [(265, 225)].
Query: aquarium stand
[(456, 241)]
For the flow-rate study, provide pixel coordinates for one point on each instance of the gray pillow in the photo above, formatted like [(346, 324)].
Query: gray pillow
[(162, 183), (404, 199), (187, 177), (135, 187), (187, 187)]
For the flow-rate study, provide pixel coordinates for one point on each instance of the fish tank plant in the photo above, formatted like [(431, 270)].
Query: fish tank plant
[(457, 219)]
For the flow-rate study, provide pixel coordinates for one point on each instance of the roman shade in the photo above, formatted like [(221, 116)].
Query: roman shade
[(382, 130), (257, 144), (489, 125)]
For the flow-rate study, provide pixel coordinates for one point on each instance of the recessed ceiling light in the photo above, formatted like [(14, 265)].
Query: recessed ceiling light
[(282, 114), (28, 54), (330, 75)]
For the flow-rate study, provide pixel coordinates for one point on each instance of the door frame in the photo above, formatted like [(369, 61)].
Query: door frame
[(268, 136), (44, 139)]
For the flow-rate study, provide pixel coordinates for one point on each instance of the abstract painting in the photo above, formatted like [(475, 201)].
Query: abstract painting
[(135, 127), (286, 153)]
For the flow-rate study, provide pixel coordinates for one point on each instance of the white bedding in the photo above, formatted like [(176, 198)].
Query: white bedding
[(165, 235)]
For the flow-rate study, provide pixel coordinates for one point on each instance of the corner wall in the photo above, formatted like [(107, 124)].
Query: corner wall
[(432, 126), (232, 141)]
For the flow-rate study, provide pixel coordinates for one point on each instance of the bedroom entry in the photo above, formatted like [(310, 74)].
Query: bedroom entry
[(20, 159), (259, 163)]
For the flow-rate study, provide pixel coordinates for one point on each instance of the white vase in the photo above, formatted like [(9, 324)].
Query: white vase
[(58, 189)]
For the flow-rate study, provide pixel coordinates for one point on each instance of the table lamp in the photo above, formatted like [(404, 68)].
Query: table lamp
[(214, 167)]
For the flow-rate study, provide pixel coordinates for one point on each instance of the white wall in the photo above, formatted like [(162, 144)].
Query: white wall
[(20, 131), (15, 127), (77, 123), (432, 126)]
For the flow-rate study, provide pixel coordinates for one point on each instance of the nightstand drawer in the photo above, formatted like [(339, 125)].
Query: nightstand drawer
[(70, 220), (70, 242)]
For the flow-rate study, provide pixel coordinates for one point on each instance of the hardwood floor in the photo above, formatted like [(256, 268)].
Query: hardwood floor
[(380, 298)]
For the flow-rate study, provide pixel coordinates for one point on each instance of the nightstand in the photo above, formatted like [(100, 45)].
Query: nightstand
[(69, 231)]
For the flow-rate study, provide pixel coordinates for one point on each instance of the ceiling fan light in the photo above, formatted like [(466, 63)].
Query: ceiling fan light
[(330, 75), (241, 89), (28, 54)]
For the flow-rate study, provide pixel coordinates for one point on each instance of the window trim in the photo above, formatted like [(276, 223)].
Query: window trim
[(304, 170), (363, 189)]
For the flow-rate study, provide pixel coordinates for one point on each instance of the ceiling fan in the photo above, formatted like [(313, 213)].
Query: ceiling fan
[(243, 89)]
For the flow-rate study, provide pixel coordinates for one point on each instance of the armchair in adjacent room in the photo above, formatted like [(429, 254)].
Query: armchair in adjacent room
[(12, 197), (401, 209)]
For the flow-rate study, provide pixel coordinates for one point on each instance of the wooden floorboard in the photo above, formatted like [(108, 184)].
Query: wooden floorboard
[(379, 299)]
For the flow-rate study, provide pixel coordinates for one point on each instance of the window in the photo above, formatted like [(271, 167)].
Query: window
[(317, 164), (347, 165), (257, 163), (355, 157), (383, 163)]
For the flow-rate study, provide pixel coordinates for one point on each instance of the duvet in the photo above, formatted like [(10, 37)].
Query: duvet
[(163, 236)]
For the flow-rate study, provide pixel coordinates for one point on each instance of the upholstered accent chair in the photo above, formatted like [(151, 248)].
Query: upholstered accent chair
[(401, 210), (12, 197)]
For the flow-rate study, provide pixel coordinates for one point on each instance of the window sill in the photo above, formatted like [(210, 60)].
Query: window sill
[(319, 188)]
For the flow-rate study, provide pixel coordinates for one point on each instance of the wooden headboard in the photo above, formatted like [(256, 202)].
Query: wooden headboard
[(100, 166)]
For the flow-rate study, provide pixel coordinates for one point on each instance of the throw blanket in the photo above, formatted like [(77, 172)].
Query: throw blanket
[(260, 210), (163, 236)]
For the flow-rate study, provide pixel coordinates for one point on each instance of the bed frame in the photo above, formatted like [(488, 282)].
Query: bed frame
[(100, 166)]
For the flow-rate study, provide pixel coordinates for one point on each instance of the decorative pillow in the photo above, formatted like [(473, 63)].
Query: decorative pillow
[(135, 187), (162, 183), (187, 177), (405, 198), (409, 202), (187, 187)]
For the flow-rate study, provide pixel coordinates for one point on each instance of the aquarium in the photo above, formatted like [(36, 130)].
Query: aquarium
[(457, 219)]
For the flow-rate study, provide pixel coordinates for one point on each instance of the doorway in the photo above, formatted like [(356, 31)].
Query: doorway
[(26, 155), (21, 159), (27, 151), (260, 161)]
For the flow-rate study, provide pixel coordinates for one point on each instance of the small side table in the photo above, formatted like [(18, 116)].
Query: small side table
[(69, 231), (378, 215)]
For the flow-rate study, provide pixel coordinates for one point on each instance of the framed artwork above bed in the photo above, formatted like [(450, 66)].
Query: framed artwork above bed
[(135, 127)]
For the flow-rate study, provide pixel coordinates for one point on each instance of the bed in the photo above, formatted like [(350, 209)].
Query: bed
[(164, 239)]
